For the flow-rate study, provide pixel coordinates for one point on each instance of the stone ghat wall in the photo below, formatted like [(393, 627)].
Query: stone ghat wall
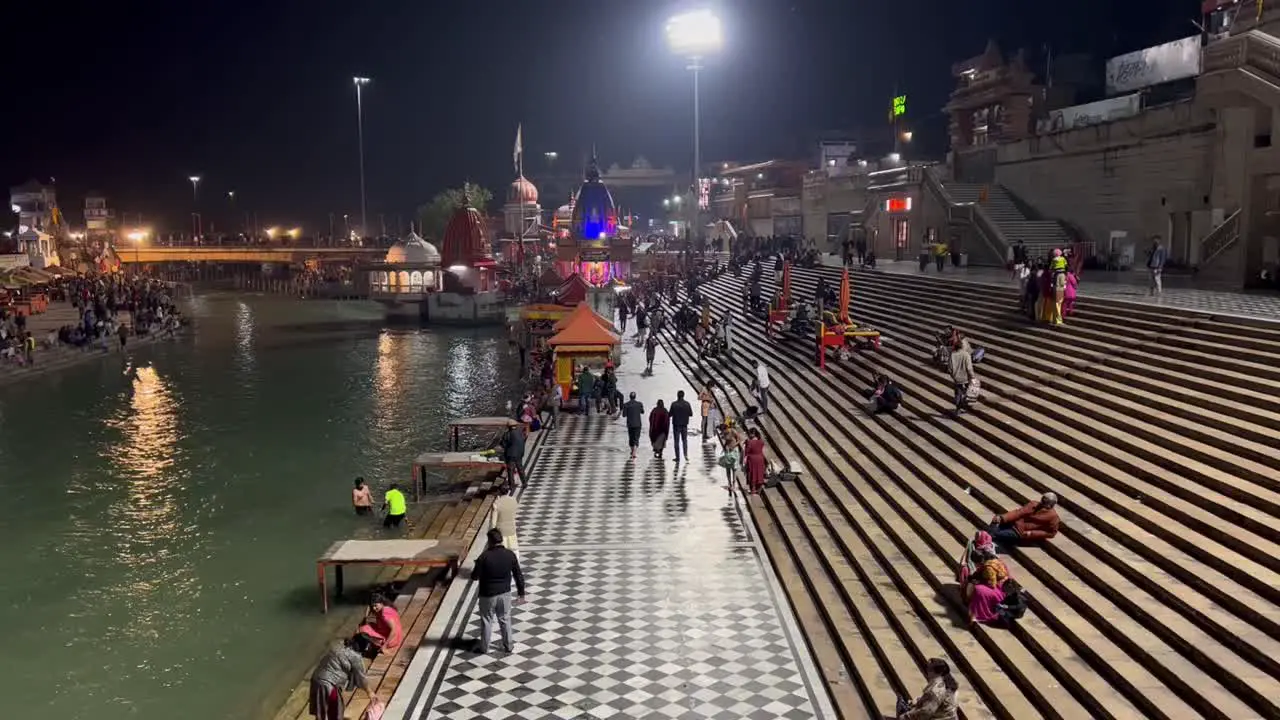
[(1152, 174)]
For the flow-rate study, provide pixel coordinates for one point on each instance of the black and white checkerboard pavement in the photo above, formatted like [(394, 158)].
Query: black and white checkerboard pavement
[(649, 596)]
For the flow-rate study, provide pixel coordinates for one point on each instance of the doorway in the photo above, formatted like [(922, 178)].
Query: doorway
[(901, 237), (1178, 232)]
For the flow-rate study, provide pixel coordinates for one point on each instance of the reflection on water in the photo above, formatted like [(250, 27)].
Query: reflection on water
[(244, 337), (163, 518), (144, 529)]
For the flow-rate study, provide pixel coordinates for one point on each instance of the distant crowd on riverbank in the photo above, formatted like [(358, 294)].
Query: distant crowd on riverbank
[(93, 315)]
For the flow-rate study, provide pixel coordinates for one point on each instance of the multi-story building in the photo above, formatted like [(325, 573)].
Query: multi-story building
[(98, 218), (1179, 145), (36, 206)]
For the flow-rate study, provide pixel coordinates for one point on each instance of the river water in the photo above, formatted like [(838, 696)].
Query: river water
[(160, 516)]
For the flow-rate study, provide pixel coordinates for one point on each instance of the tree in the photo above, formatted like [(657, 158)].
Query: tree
[(434, 216)]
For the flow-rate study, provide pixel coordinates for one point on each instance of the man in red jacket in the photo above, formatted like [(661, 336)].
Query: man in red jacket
[(1032, 522)]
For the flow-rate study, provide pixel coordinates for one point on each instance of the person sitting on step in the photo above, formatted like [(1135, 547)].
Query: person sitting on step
[(983, 589), (1033, 522), (885, 397), (382, 626), (938, 701)]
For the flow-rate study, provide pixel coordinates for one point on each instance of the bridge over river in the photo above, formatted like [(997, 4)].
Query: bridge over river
[(246, 254)]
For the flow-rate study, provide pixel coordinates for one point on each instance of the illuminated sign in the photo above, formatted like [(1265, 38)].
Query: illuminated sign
[(594, 255), (897, 205), (900, 105)]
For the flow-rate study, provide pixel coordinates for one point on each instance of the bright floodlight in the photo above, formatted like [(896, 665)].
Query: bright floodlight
[(360, 80), (194, 178), (694, 34)]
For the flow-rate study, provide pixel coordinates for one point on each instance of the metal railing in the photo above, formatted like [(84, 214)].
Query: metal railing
[(1220, 240), (969, 214)]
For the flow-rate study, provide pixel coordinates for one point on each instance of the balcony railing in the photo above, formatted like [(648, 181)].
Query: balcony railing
[(1254, 50)]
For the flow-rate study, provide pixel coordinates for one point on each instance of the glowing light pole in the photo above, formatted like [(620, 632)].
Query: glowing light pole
[(195, 215), (694, 35), (360, 82)]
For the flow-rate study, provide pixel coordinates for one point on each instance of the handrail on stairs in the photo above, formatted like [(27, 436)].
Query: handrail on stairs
[(970, 213), (1220, 239)]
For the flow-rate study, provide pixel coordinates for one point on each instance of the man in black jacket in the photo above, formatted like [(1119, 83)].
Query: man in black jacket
[(493, 571), (633, 411), (513, 454), (680, 413)]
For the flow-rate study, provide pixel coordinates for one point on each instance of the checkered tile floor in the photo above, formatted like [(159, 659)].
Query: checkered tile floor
[(594, 495), (635, 634), (648, 596)]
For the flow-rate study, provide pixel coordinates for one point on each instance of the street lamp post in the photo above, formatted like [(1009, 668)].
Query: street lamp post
[(195, 214), (360, 82), (694, 35), (231, 198)]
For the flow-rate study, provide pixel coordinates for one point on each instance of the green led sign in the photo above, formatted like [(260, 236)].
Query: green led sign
[(900, 105)]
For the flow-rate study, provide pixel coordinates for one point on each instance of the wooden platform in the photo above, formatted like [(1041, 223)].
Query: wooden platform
[(458, 521), (1158, 429)]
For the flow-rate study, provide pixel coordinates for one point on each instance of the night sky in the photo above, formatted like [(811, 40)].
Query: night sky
[(131, 98)]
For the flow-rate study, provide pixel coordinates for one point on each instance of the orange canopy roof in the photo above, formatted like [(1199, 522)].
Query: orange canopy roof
[(584, 309), (583, 329)]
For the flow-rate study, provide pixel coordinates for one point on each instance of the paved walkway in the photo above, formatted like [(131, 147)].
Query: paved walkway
[(649, 594), (1179, 291)]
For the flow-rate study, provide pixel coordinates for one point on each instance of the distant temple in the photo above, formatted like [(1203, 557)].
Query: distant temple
[(406, 276), (456, 284), (593, 247)]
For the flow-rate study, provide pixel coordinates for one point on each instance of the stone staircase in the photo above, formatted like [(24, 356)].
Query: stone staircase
[(1156, 426), (1040, 236)]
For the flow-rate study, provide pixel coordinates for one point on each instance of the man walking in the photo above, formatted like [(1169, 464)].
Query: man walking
[(586, 388), (681, 411), (494, 571), (633, 411), (961, 366), (503, 517), (1155, 266), (761, 386), (513, 454)]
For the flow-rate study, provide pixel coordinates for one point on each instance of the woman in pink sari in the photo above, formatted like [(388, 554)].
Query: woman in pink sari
[(1069, 299), (382, 626), (984, 589)]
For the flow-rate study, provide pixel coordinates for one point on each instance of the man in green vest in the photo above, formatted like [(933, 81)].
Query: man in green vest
[(395, 505)]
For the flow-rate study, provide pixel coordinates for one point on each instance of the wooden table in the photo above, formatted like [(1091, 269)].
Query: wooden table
[(425, 553), (449, 461), (479, 423)]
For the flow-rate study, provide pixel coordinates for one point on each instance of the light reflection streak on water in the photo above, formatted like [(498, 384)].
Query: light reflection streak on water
[(388, 367), (146, 537), (458, 374), (392, 398), (244, 326)]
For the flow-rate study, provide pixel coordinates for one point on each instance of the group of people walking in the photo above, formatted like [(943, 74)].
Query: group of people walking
[(1046, 286)]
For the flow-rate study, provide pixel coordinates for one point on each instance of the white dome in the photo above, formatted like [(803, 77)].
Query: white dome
[(414, 250)]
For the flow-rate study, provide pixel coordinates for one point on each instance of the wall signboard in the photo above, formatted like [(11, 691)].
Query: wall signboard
[(1154, 65)]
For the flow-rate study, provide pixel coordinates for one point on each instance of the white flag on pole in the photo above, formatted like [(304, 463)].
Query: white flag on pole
[(519, 149)]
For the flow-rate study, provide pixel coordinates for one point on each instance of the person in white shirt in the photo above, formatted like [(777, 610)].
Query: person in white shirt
[(503, 517), (761, 386)]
